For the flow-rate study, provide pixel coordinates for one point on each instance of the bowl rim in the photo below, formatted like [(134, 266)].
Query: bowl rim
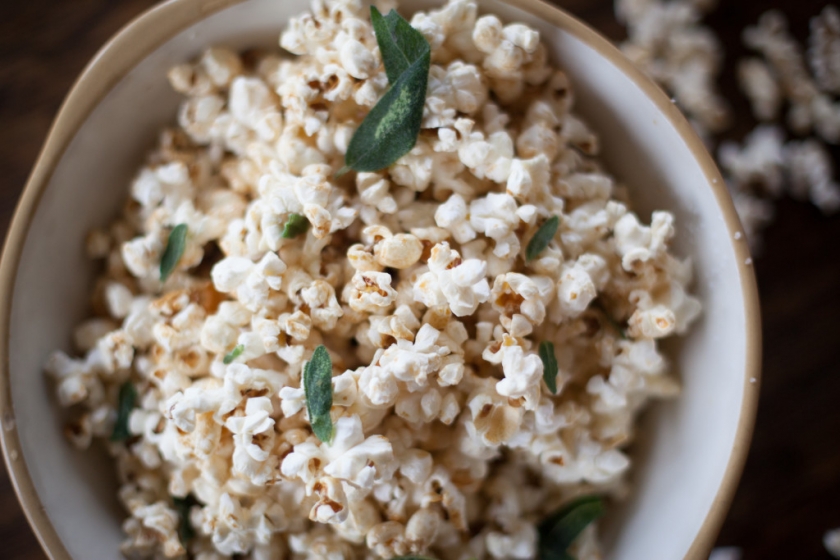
[(148, 31)]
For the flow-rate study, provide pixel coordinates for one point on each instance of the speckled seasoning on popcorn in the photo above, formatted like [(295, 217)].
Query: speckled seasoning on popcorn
[(447, 441)]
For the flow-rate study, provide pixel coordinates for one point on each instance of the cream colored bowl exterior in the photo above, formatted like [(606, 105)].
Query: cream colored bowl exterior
[(687, 464)]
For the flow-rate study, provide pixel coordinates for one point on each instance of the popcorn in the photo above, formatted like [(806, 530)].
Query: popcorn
[(637, 244), (810, 174), (142, 255), (371, 291), (356, 59), (528, 180), (496, 217), (522, 372), (765, 166), (221, 65), (452, 215), (88, 333), (522, 543), (252, 104), (760, 86), (161, 523), (459, 284), (253, 437), (824, 49), (438, 405), (374, 191), (666, 41), (515, 295), (759, 162), (399, 251), (831, 542), (324, 309), (492, 418), (486, 156), (115, 351)]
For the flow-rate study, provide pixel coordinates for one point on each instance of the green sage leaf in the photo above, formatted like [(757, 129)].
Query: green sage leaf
[(400, 44), (233, 354), (542, 238), (615, 325), (185, 528), (391, 128), (174, 250), (126, 400), (317, 386), (295, 225), (412, 557), (559, 530), (550, 368)]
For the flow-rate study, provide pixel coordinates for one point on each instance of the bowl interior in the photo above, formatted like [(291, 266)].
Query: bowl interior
[(687, 442)]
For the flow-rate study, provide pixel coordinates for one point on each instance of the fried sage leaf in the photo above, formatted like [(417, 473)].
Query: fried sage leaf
[(185, 528), (542, 238), (126, 401), (400, 44), (294, 226), (233, 354), (550, 368), (317, 386), (174, 250), (615, 325), (391, 128), (559, 530)]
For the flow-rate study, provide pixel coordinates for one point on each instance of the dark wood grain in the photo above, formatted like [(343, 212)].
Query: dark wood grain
[(790, 492)]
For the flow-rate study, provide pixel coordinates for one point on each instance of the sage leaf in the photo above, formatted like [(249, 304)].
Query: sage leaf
[(233, 354), (390, 129), (616, 326), (542, 238), (185, 528), (550, 368), (399, 43), (125, 404), (559, 530), (412, 557), (317, 386), (294, 226), (174, 250)]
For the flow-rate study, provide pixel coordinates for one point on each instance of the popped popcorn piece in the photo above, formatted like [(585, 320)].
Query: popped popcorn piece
[(161, 524), (522, 372), (781, 75), (760, 86), (811, 174), (398, 251), (758, 162), (637, 244), (371, 291), (450, 281), (496, 217), (824, 49), (253, 438), (831, 542), (521, 542), (666, 41), (517, 296)]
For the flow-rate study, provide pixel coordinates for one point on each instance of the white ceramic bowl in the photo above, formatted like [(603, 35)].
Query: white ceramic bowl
[(689, 460)]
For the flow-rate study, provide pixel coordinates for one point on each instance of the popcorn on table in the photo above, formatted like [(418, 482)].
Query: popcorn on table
[(415, 280), (769, 163)]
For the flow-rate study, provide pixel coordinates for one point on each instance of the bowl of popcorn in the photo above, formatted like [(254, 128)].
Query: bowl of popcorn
[(439, 279)]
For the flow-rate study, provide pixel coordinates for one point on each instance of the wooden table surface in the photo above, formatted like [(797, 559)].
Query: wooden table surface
[(790, 491)]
